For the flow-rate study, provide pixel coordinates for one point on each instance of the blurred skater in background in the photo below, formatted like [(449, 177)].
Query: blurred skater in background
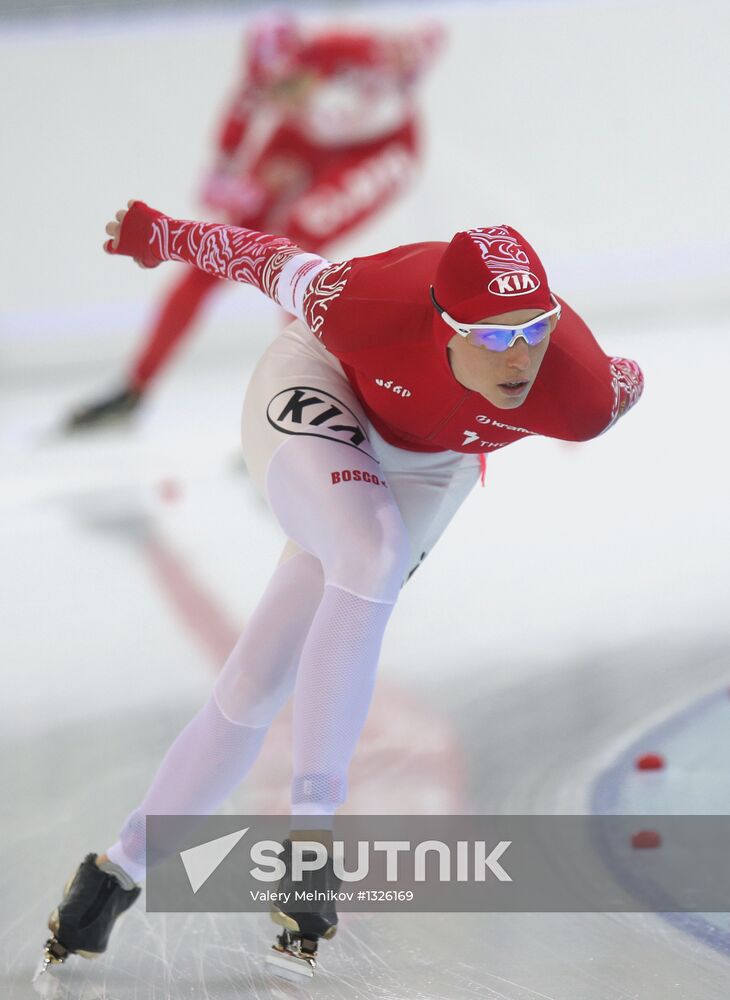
[(321, 135)]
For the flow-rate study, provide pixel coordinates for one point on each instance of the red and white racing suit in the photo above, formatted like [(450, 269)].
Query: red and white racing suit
[(365, 445)]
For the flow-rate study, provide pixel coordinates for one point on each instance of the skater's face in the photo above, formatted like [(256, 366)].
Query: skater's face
[(504, 378)]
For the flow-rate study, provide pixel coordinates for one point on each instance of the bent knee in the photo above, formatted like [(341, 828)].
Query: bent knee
[(372, 561)]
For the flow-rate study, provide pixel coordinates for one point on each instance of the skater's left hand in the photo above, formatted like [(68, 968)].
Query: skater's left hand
[(114, 229)]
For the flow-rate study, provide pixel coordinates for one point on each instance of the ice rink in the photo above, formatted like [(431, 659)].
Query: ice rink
[(574, 614)]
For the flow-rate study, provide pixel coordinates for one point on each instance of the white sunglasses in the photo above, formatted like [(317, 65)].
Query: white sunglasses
[(496, 337)]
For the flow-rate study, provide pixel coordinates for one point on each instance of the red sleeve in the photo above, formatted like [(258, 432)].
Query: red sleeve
[(235, 124), (231, 133), (227, 251), (320, 297), (627, 383), (273, 264), (597, 389)]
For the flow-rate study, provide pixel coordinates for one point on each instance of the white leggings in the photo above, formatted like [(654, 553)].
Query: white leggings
[(359, 515)]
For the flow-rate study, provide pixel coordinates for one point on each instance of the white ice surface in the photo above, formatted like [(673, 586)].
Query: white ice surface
[(578, 597)]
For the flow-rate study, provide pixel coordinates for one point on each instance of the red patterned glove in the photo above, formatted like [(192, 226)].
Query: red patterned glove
[(138, 237)]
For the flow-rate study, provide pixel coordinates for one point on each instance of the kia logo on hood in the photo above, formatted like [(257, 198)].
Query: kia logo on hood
[(514, 283)]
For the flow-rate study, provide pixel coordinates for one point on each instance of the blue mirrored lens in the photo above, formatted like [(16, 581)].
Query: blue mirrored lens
[(537, 331), (500, 338), (493, 340)]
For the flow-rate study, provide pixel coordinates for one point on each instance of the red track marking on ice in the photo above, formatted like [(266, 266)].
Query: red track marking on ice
[(644, 839), (650, 762), (196, 609), (409, 759)]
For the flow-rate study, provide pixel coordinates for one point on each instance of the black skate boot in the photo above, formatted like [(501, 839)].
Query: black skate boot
[(295, 953), (111, 409), (83, 920)]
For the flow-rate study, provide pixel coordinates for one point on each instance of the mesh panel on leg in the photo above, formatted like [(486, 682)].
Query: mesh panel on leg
[(332, 696)]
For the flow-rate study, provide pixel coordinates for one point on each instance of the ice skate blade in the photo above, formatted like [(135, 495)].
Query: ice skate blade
[(53, 954), (284, 920), (40, 969), (290, 966)]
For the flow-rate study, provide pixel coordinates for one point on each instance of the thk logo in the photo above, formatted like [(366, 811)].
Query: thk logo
[(316, 413), (514, 283), (471, 437)]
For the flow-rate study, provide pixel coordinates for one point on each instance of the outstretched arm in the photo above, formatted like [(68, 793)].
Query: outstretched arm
[(235, 124), (273, 264), (226, 184)]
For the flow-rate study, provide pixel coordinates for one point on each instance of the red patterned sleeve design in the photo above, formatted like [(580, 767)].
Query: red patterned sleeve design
[(325, 286), (227, 251), (627, 380), (304, 284)]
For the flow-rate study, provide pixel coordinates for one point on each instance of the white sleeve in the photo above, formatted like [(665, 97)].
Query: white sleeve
[(295, 278)]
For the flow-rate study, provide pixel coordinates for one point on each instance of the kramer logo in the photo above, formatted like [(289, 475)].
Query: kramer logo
[(482, 418), (316, 413), (515, 283)]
